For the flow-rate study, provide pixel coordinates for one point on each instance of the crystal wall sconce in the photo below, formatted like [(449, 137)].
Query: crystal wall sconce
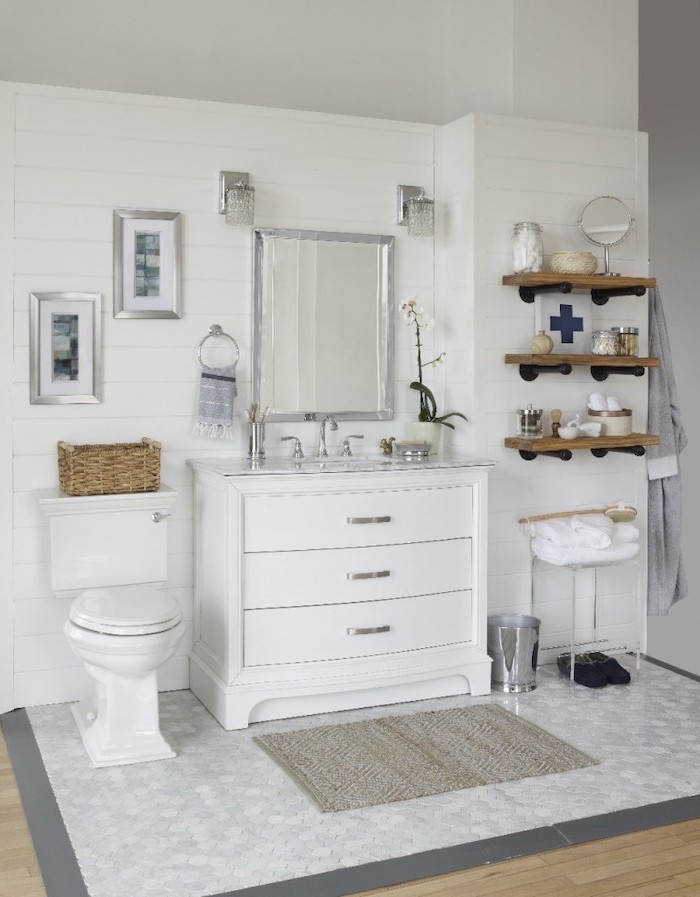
[(415, 211), (236, 198)]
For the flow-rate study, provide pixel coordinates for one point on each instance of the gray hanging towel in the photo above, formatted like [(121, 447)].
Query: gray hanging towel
[(666, 575), (217, 390)]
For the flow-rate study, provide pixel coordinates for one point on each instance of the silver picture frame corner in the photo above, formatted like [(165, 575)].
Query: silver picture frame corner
[(85, 388), (168, 302)]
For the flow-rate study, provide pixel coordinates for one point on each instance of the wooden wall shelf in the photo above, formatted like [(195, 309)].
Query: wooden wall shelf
[(599, 446), (601, 286), (601, 365)]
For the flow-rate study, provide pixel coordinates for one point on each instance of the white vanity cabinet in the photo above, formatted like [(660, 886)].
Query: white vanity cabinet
[(321, 588)]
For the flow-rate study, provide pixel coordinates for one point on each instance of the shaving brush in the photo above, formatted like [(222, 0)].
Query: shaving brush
[(555, 415)]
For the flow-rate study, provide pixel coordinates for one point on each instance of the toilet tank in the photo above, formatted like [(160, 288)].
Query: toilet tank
[(108, 540)]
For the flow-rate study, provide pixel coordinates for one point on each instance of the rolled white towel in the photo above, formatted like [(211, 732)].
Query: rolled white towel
[(624, 532), (557, 531), (614, 404), (584, 557), (597, 402), (594, 530)]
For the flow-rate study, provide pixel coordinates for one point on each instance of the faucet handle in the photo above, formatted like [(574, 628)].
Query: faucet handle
[(347, 451), (298, 453)]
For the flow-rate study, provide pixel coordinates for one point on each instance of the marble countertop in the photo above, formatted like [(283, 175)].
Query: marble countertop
[(236, 466)]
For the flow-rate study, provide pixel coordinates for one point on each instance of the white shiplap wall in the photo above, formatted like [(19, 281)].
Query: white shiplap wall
[(540, 171), (81, 154)]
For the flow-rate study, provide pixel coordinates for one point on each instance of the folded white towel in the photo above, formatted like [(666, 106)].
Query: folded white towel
[(580, 530), (625, 532), (594, 530), (558, 531), (614, 404), (597, 402), (562, 556)]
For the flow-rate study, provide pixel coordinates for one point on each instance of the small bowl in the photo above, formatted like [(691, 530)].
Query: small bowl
[(412, 448), (567, 432)]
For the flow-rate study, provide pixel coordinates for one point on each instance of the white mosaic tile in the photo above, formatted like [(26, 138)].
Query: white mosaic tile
[(223, 816)]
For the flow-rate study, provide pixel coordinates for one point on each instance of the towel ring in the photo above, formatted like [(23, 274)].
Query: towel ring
[(215, 330)]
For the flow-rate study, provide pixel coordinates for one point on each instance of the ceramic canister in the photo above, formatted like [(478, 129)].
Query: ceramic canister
[(615, 423)]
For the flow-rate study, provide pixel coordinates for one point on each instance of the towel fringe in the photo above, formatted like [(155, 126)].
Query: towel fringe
[(214, 431)]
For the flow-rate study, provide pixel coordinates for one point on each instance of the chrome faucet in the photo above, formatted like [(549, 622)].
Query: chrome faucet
[(322, 451)]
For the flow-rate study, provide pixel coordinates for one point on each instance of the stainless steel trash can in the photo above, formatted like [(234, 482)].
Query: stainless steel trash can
[(512, 643)]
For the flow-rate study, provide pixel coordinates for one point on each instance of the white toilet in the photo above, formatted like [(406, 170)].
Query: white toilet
[(111, 552)]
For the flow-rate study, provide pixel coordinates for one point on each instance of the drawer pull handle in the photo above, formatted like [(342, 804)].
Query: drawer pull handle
[(386, 519), (375, 574), (367, 630)]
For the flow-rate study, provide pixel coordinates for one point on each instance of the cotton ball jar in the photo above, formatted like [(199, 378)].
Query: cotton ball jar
[(528, 250)]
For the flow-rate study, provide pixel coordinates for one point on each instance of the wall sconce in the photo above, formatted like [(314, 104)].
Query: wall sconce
[(415, 211), (236, 198)]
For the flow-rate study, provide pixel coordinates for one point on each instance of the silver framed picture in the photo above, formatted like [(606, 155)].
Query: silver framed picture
[(64, 348), (146, 264)]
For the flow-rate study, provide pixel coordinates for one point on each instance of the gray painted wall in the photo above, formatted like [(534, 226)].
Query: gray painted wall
[(429, 61), (669, 72)]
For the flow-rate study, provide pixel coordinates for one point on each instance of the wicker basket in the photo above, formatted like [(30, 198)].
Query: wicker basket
[(109, 469)]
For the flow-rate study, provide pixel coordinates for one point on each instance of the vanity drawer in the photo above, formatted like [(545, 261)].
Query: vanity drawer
[(341, 575), (334, 632), (352, 519)]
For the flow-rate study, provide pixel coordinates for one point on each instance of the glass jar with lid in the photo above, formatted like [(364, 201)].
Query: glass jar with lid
[(528, 250), (627, 340), (604, 342), (529, 422)]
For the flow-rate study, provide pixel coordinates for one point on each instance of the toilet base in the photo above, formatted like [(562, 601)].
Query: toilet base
[(105, 750)]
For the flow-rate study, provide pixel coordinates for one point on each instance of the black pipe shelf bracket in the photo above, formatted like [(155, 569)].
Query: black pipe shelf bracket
[(527, 294), (530, 371), (636, 450), (562, 454), (600, 372), (600, 297)]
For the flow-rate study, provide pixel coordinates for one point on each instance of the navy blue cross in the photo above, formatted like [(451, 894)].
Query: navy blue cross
[(566, 323)]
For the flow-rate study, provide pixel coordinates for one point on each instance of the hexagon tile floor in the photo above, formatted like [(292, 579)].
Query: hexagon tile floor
[(223, 816)]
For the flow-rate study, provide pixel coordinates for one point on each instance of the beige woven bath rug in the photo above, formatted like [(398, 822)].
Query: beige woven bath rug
[(378, 761)]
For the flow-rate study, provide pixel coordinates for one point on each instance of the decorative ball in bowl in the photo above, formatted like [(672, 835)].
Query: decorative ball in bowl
[(569, 432), (570, 262), (413, 448)]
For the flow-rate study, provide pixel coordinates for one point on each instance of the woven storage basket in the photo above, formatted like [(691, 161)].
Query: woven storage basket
[(109, 469), (571, 262)]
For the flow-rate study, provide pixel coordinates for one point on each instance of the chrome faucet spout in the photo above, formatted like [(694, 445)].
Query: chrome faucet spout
[(328, 419)]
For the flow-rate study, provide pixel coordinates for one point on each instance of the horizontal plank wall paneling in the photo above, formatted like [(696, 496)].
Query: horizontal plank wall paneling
[(524, 170), (7, 118), (78, 156)]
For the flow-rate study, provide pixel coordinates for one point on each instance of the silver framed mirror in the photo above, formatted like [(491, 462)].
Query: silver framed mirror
[(606, 221), (323, 334)]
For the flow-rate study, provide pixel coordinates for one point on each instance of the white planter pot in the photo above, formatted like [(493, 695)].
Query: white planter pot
[(428, 432)]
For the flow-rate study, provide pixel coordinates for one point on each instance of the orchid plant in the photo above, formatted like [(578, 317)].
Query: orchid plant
[(416, 317)]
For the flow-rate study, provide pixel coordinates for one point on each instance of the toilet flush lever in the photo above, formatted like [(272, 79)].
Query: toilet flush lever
[(157, 516)]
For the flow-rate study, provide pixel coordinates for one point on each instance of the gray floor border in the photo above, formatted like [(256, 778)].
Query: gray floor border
[(54, 852), (62, 878)]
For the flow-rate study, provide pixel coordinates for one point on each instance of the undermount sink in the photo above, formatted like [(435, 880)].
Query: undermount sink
[(343, 461)]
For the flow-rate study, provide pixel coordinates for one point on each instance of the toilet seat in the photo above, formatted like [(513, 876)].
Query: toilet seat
[(130, 610)]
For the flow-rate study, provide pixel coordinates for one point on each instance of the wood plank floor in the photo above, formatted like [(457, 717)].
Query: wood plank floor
[(19, 872), (662, 861)]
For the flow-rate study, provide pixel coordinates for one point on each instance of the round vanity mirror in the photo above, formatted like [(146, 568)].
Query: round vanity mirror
[(606, 221)]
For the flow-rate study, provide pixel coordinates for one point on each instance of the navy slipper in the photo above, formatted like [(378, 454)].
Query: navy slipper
[(614, 671), (585, 672)]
